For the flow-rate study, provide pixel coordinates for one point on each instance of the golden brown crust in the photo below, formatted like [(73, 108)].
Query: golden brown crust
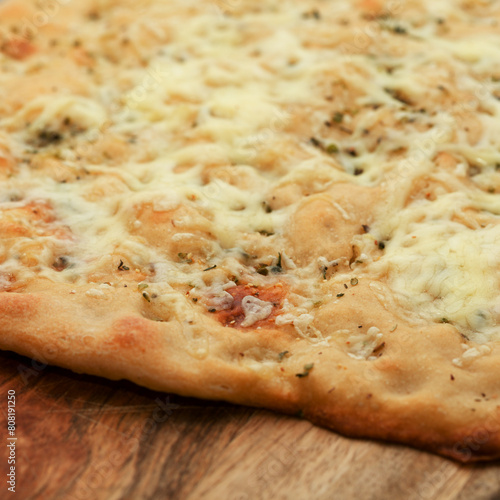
[(398, 398), (220, 213)]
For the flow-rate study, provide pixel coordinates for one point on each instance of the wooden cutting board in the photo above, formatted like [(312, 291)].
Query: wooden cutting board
[(85, 438)]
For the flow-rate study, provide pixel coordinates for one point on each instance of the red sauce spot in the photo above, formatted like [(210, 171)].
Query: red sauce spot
[(32, 219), (18, 48), (6, 162), (275, 294)]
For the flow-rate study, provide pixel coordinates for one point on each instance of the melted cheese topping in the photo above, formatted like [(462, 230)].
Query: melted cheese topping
[(255, 310), (188, 137)]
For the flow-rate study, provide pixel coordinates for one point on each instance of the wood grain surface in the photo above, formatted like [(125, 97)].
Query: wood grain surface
[(85, 438)]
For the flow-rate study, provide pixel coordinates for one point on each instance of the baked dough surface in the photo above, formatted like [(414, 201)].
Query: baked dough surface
[(282, 204)]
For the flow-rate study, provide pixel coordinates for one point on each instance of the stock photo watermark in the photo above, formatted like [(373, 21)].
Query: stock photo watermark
[(47, 10), (273, 467), (130, 442), (11, 440)]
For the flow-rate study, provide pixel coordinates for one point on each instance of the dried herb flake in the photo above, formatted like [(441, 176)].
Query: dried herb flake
[(307, 369), (338, 117), (281, 355), (122, 266)]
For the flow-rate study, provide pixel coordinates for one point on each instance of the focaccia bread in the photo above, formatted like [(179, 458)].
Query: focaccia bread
[(286, 204)]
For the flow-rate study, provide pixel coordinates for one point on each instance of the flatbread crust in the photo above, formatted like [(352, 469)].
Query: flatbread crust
[(228, 210)]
